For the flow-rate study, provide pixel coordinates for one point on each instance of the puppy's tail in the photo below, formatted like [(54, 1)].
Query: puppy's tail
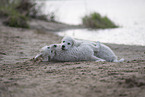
[(121, 60)]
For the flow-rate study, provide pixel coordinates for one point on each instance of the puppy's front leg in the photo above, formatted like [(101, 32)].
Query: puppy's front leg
[(45, 58)]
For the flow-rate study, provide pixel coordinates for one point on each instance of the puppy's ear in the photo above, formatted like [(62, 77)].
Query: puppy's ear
[(76, 43), (73, 43), (98, 43)]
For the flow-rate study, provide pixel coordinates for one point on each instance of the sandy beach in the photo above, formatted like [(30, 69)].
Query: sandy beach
[(20, 76)]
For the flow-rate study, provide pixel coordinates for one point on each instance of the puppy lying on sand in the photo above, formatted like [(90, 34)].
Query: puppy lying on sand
[(82, 53), (54, 52), (104, 52)]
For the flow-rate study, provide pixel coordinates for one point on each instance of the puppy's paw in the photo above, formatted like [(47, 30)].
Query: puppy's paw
[(100, 60)]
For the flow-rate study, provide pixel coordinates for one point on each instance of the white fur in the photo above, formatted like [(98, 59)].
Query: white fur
[(103, 51), (45, 53), (106, 53), (69, 42), (54, 52), (82, 53)]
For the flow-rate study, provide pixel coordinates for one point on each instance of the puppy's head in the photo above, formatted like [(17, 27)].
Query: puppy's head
[(55, 47), (45, 53), (67, 43)]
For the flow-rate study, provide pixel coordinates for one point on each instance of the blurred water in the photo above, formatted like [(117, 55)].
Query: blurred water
[(128, 14)]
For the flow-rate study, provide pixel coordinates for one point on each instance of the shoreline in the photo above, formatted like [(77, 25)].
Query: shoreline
[(20, 76), (50, 32)]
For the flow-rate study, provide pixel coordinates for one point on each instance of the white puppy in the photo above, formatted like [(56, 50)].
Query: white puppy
[(54, 52), (106, 53), (82, 53), (69, 42), (103, 52)]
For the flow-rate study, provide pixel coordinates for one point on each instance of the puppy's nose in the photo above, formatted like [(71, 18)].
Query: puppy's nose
[(63, 46)]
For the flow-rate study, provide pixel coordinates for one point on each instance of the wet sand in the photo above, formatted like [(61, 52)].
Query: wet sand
[(20, 76)]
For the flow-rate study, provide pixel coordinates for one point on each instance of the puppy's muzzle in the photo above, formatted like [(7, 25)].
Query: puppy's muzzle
[(63, 47)]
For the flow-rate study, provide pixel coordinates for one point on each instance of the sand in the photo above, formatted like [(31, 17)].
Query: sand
[(20, 76)]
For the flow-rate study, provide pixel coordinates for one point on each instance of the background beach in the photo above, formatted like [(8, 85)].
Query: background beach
[(129, 15)]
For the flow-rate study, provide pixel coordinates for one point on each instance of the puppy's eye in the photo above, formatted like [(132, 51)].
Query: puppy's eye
[(48, 47), (55, 45), (63, 41), (95, 45), (68, 43)]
